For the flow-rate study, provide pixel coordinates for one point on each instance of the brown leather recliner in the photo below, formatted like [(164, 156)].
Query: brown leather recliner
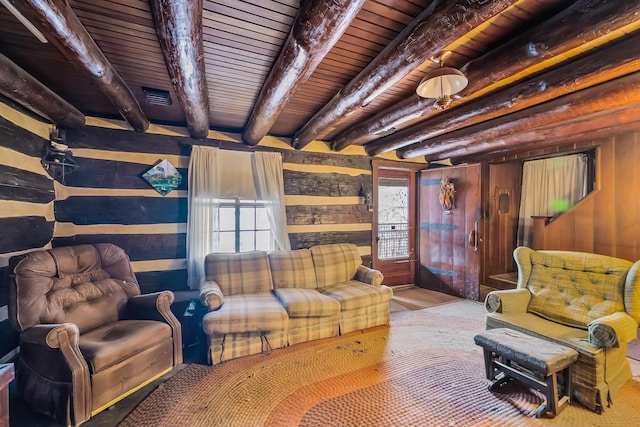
[(87, 336)]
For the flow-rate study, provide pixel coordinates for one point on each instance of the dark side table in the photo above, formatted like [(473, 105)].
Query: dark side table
[(6, 376), (189, 311)]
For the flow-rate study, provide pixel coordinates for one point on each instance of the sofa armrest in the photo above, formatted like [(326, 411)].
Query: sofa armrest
[(508, 301), (369, 275), (157, 306), (612, 330), (64, 338), (211, 294)]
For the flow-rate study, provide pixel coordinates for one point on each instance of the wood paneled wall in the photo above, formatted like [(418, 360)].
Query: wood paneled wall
[(606, 221)]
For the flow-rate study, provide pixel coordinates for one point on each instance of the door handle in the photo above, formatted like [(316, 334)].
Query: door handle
[(473, 237), (404, 261)]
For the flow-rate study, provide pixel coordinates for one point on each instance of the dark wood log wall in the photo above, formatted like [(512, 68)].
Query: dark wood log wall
[(106, 200), (26, 204)]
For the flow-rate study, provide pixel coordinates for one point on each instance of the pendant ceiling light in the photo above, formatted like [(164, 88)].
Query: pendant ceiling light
[(442, 83)]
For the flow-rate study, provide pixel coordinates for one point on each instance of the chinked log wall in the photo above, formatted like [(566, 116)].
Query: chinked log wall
[(106, 200)]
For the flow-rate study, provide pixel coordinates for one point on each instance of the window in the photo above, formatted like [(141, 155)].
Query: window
[(243, 226), (393, 218)]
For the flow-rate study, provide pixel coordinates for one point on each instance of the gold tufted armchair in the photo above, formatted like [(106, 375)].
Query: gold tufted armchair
[(87, 336), (587, 302)]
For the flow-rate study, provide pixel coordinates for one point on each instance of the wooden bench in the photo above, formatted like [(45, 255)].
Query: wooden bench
[(534, 362)]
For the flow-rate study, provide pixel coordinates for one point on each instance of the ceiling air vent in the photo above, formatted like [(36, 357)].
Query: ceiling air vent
[(157, 96)]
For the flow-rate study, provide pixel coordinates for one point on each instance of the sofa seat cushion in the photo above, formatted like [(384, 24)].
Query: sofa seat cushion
[(307, 302), (532, 324), (260, 312), (353, 295), (114, 342)]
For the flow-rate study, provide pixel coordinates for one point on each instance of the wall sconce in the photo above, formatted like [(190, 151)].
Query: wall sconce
[(57, 159), (366, 197), (447, 195)]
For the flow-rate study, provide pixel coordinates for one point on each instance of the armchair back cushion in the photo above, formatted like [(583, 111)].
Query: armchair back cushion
[(574, 288), (87, 285), (239, 273), (292, 269), (335, 263)]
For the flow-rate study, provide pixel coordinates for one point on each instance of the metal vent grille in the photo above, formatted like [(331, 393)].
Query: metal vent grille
[(504, 201), (157, 96)]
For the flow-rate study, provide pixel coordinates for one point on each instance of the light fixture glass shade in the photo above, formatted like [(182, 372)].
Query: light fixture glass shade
[(442, 83)]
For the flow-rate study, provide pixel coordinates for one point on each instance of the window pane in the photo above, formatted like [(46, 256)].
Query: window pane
[(227, 218), (393, 217), (247, 218), (262, 220), (247, 241), (227, 241), (264, 241)]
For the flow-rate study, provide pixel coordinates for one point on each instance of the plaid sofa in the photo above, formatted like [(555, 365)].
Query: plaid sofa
[(588, 302), (259, 300)]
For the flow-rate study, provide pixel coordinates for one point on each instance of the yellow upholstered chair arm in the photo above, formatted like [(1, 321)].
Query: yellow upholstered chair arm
[(613, 330), (508, 301)]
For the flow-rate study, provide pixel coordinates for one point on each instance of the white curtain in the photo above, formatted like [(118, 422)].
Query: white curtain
[(269, 181), (549, 187), (216, 174), (202, 218)]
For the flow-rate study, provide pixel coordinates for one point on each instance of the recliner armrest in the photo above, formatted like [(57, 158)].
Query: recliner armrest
[(612, 330), (508, 301), (211, 294), (64, 338), (157, 306), (153, 306), (369, 275)]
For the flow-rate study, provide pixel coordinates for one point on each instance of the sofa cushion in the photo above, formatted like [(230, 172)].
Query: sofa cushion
[(292, 269), (110, 344), (307, 302), (336, 263), (354, 295), (259, 312), (576, 288), (240, 273)]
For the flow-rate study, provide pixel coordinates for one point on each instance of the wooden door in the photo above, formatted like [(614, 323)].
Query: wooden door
[(450, 239), (393, 248)]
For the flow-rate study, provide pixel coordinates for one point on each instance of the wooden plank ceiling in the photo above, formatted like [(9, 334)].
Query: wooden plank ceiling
[(364, 61)]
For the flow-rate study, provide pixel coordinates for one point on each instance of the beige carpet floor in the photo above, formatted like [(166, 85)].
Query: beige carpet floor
[(422, 370)]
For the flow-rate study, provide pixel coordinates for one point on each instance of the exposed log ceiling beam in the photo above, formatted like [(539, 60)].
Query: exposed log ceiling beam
[(439, 25), (583, 25), (64, 30), (615, 95), (18, 85), (179, 27), (588, 71), (556, 137), (318, 26)]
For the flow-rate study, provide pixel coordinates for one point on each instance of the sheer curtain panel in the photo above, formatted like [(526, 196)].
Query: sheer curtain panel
[(267, 168), (202, 218), (549, 187)]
